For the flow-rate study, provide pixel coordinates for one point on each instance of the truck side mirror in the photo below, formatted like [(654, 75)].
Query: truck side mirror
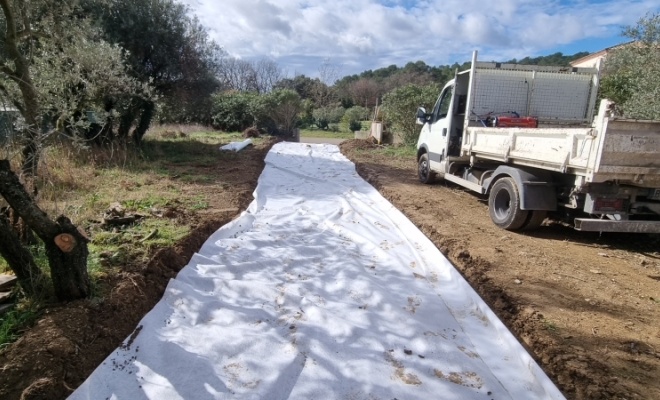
[(422, 116)]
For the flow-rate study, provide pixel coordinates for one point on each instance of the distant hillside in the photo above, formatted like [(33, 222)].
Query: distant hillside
[(557, 59), (443, 73)]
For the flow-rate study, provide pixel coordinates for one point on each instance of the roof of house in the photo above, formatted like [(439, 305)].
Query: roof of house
[(598, 53)]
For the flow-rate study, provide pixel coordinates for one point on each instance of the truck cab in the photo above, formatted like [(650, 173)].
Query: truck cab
[(442, 127)]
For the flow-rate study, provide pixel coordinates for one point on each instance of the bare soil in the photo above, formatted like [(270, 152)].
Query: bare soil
[(70, 340), (585, 305)]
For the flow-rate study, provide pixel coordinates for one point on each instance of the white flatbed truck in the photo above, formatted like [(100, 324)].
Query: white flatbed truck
[(601, 173)]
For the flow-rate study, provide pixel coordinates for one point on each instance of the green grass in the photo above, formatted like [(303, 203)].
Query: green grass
[(13, 321), (392, 150), (319, 133), (198, 203), (83, 183), (402, 151), (342, 133)]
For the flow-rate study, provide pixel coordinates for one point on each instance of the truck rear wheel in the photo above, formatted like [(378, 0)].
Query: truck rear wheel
[(534, 220), (504, 205), (424, 170)]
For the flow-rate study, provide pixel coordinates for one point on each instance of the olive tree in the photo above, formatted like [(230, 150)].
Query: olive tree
[(632, 71), (284, 106), (53, 66), (165, 47), (400, 105)]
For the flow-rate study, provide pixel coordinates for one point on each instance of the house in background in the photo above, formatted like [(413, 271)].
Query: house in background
[(595, 59)]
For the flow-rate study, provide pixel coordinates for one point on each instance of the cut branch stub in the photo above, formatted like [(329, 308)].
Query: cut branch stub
[(65, 242)]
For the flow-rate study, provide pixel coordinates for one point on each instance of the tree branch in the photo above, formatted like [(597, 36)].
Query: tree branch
[(9, 16), (14, 193), (29, 33)]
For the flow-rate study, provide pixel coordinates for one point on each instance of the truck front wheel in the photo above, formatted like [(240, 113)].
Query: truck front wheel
[(424, 170), (504, 205)]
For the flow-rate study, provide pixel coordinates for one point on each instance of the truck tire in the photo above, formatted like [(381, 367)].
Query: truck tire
[(504, 205), (424, 172), (534, 220)]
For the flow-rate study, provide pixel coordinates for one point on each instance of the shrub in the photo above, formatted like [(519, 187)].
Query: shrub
[(283, 107), (236, 111), (400, 105), (355, 126)]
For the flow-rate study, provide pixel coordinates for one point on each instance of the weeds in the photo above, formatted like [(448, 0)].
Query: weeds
[(401, 151), (13, 321), (549, 325)]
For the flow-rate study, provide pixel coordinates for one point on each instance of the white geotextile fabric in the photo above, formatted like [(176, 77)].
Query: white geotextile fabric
[(320, 290), (236, 146)]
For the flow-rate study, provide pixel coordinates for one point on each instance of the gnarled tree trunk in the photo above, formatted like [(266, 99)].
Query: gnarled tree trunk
[(145, 120), (20, 260), (66, 246)]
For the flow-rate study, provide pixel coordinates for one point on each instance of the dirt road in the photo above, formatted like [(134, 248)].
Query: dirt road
[(587, 306)]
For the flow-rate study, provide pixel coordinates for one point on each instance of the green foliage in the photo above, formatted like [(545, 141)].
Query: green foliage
[(400, 106), (164, 46), (616, 87), (303, 85), (275, 111), (356, 113), (306, 113), (236, 111), (71, 68), (325, 116), (354, 126), (354, 116), (633, 71), (283, 107)]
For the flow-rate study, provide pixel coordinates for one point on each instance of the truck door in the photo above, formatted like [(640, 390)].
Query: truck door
[(439, 127)]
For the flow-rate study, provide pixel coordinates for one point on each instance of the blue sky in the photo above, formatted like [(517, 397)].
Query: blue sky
[(370, 34)]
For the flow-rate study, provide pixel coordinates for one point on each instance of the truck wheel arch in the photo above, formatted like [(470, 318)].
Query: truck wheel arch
[(535, 187), (422, 150)]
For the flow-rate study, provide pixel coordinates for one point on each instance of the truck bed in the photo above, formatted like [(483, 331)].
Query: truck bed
[(613, 150)]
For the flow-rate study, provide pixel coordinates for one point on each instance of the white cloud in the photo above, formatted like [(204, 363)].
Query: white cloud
[(367, 34)]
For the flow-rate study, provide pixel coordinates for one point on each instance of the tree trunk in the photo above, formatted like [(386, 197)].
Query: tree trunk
[(31, 114), (126, 121), (66, 247), (21, 75), (68, 266), (20, 260), (145, 121), (105, 136)]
